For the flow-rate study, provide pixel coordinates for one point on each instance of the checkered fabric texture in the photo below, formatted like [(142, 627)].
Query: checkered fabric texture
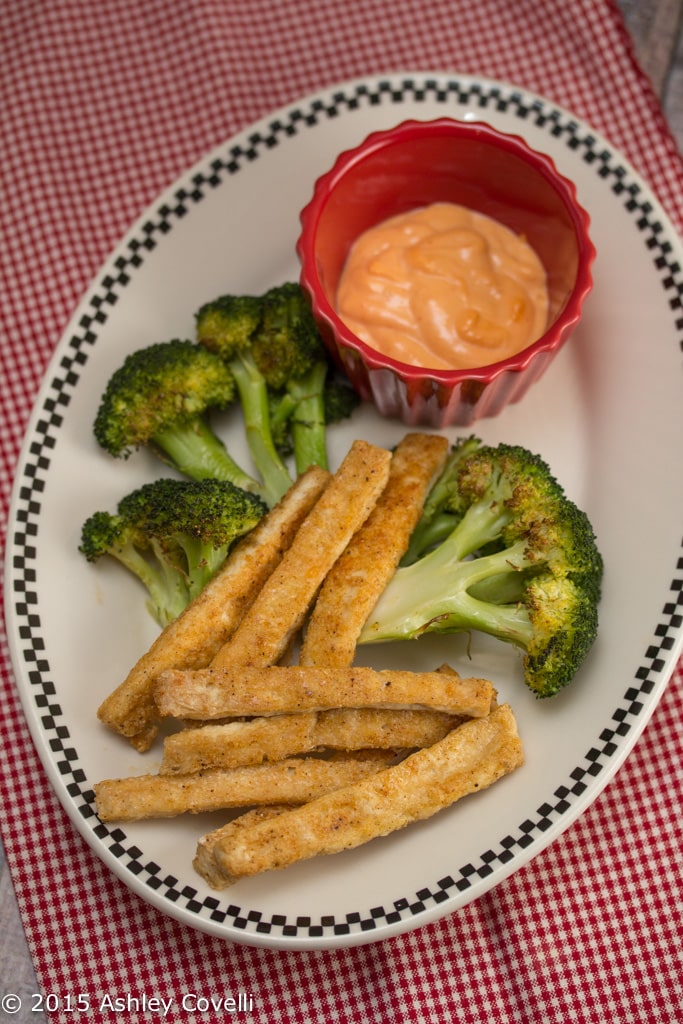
[(104, 105)]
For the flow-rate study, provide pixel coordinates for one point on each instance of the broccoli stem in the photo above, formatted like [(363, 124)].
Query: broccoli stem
[(434, 594), (308, 425), (196, 452), (509, 622), (166, 592), (438, 517), (281, 413), (203, 561), (427, 535), (481, 524), (253, 393), (503, 588)]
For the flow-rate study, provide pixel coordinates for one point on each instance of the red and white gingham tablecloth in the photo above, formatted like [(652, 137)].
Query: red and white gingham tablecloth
[(102, 106)]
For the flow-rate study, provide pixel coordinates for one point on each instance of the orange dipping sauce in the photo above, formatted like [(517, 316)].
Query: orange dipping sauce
[(443, 287)]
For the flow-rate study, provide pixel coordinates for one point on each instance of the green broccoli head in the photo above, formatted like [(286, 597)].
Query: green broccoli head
[(286, 344), (227, 325), (202, 518), (339, 398), (160, 397), (563, 618), (173, 535), (500, 549), (277, 329), (155, 389), (104, 533)]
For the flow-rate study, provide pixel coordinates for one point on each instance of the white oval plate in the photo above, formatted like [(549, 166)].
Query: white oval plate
[(607, 416)]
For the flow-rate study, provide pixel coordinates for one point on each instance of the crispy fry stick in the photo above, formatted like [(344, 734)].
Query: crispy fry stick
[(204, 863), (273, 739), (292, 781), (470, 758), (205, 625), (282, 605), (359, 576), (211, 693)]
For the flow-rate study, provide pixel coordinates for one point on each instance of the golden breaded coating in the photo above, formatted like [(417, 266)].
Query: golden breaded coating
[(279, 611), (203, 627), (204, 863), (232, 744), (245, 691), (361, 573), (257, 740), (380, 728), (292, 781), (470, 758)]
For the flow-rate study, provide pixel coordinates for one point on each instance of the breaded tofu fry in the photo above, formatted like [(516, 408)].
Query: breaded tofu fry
[(292, 781), (279, 611), (467, 760), (204, 863), (359, 576), (198, 633), (380, 728), (272, 739), (244, 691), (233, 744)]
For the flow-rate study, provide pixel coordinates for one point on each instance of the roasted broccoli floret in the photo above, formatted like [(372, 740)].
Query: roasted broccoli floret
[(227, 327), (160, 397), (173, 535), (500, 549), (107, 533), (282, 371)]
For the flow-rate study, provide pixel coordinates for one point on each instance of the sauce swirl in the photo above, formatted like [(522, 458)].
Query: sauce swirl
[(443, 287)]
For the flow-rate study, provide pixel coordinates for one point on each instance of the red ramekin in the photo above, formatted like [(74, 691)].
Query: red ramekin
[(473, 164)]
